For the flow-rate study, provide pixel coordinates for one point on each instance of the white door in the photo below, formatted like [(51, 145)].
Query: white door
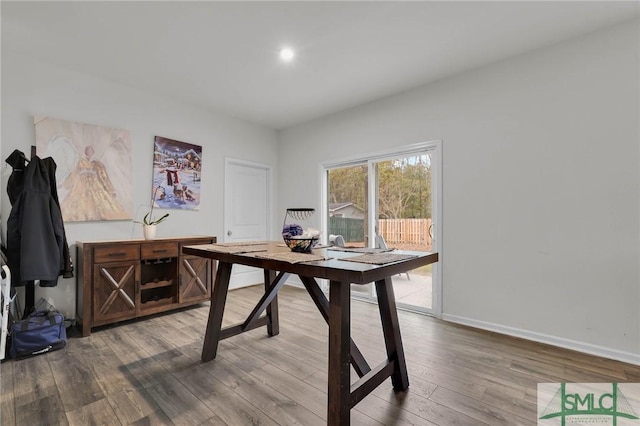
[(246, 211)]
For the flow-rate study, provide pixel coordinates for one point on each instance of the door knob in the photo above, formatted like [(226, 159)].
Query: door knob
[(229, 233)]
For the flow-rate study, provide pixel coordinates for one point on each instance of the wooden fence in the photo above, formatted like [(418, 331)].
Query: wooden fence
[(406, 232)]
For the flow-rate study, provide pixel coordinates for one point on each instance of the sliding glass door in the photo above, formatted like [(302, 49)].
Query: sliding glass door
[(404, 221), (390, 201)]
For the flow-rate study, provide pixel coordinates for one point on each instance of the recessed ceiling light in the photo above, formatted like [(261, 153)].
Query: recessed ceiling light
[(286, 54)]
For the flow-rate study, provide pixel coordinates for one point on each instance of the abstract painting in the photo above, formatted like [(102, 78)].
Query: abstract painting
[(94, 173), (177, 168)]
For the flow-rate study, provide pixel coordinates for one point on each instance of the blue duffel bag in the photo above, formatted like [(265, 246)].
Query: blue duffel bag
[(41, 332)]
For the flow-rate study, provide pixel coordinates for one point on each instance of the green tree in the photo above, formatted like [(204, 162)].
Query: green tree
[(348, 185), (404, 187)]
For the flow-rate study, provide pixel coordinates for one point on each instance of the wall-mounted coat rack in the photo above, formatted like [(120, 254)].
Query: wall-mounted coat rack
[(29, 288), (35, 226)]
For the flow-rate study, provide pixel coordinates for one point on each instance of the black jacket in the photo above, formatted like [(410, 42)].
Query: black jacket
[(35, 230), (67, 269)]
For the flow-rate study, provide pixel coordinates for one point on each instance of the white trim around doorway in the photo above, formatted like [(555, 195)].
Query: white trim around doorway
[(436, 146)]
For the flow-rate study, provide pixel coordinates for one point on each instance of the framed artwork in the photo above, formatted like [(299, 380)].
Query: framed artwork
[(94, 168), (177, 168)]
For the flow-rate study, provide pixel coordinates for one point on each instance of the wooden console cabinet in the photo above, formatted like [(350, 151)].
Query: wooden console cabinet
[(121, 280)]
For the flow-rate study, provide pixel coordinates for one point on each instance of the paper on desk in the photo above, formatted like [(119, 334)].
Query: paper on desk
[(359, 249), (379, 258), (241, 243), (235, 249), (292, 257)]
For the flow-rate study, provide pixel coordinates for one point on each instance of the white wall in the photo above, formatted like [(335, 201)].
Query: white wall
[(541, 177), (33, 88), (541, 187)]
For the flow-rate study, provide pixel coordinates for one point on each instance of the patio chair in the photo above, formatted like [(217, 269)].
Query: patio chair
[(336, 240)]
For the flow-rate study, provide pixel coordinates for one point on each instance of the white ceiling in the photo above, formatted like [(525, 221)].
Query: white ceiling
[(223, 55)]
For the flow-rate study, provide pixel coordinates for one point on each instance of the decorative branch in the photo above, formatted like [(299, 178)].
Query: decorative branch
[(148, 218)]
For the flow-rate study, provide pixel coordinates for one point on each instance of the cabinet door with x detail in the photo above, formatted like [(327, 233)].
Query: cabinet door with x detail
[(115, 295), (195, 279)]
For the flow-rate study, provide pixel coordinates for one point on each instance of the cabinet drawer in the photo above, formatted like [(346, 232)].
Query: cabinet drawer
[(116, 253), (157, 250)]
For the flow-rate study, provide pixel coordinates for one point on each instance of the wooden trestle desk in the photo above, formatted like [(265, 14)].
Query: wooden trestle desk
[(343, 352)]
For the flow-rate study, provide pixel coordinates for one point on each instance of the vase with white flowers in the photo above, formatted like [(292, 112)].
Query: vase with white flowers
[(149, 223)]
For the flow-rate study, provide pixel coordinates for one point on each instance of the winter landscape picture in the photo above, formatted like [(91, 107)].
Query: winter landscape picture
[(176, 174)]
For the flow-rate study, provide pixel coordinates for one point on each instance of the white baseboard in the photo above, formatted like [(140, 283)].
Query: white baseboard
[(575, 345), (588, 348)]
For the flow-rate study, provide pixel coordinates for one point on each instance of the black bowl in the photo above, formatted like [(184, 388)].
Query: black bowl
[(300, 245)]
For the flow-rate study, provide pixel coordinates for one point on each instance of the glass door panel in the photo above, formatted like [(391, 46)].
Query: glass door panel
[(348, 200), (404, 222)]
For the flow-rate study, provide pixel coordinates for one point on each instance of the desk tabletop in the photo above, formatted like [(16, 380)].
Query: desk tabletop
[(331, 264)]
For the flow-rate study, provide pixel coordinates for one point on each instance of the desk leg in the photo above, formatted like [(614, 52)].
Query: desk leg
[(339, 388), (214, 323), (391, 330), (273, 326), (357, 359)]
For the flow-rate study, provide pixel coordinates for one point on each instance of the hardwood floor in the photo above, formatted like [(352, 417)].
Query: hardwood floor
[(149, 372)]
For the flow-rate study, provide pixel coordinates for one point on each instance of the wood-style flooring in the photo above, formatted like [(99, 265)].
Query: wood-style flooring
[(148, 372)]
